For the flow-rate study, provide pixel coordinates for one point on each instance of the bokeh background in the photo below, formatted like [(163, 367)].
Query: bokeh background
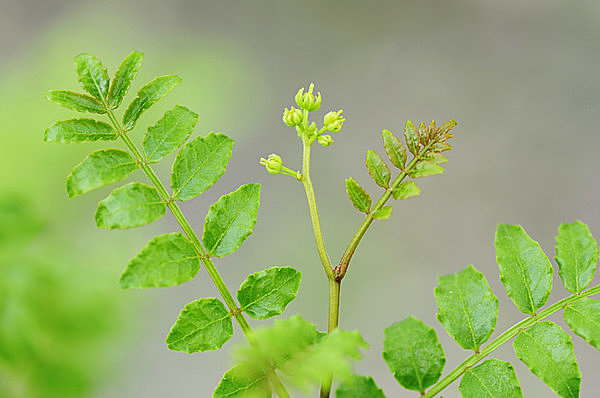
[(521, 78)]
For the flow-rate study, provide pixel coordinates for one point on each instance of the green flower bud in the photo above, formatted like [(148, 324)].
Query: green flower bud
[(273, 163), (334, 121), (325, 140), (307, 101), (292, 117)]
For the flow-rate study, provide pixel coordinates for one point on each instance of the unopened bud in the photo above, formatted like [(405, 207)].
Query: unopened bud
[(273, 163), (308, 101), (292, 117), (334, 121), (325, 140)]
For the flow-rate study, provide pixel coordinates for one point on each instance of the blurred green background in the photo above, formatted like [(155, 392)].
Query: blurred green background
[(521, 78)]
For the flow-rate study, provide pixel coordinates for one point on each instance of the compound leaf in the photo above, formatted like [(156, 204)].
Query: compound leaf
[(243, 381), (130, 206), (412, 137), (203, 325), (394, 149), (200, 164), (231, 220), (357, 386), (79, 130), (406, 190), (266, 293), (169, 133), (148, 95), (576, 255), (383, 213), (524, 268), (75, 101), (122, 80), (467, 308), (425, 168), (305, 356), (491, 379), (92, 76), (359, 198), (100, 168), (548, 352), (583, 318), (378, 169), (413, 354), (167, 260)]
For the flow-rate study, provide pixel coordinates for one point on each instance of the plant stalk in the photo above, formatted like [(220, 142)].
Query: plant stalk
[(193, 237), (342, 268), (504, 337), (334, 285)]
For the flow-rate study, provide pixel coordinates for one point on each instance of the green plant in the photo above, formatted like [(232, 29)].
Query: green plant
[(292, 352)]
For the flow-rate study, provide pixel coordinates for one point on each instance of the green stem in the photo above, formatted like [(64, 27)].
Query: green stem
[(189, 232), (342, 268), (334, 285), (314, 211), (504, 337)]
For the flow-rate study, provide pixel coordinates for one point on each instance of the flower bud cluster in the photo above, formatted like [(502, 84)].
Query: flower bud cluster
[(307, 101)]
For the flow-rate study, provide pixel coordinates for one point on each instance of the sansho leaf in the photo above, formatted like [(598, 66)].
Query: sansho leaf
[(412, 137), (406, 190), (167, 260), (92, 76), (79, 130), (357, 386), (378, 169), (548, 352), (122, 80), (576, 255), (130, 206), (148, 95), (305, 356), (394, 149), (243, 381), (491, 379), (425, 168), (583, 318), (75, 101), (383, 213), (413, 354), (231, 220), (467, 308), (169, 133), (524, 268), (359, 198), (203, 325), (100, 168), (266, 293), (200, 164)]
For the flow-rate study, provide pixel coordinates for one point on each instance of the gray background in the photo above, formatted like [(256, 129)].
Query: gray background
[(521, 79)]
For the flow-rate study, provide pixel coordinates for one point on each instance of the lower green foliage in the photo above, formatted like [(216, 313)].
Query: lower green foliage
[(357, 386)]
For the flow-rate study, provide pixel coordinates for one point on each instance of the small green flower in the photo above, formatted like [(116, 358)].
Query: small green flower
[(334, 121), (307, 101), (325, 140), (273, 163), (292, 117)]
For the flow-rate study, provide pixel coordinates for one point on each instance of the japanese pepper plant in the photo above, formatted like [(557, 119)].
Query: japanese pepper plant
[(291, 354)]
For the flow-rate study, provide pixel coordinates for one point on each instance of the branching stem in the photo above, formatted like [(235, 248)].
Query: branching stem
[(340, 270), (506, 336), (193, 237)]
